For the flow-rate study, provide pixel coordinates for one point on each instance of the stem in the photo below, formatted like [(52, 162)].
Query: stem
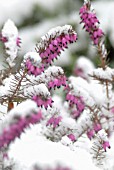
[(18, 85), (107, 90), (107, 94), (102, 58)]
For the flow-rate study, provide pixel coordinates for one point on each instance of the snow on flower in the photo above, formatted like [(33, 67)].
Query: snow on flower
[(33, 63), (56, 40), (11, 40), (40, 94), (99, 73), (19, 118)]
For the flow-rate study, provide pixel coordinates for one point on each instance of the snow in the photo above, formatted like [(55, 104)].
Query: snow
[(5, 88), (49, 74), (103, 135), (92, 92), (36, 59), (40, 89), (50, 153), (68, 123), (53, 33), (106, 74), (85, 65), (10, 32), (9, 29)]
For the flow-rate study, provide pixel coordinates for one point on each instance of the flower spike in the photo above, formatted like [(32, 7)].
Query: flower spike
[(56, 40)]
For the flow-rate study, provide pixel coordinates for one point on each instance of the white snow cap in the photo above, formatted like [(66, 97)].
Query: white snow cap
[(48, 75), (40, 89), (85, 64), (102, 135), (10, 32), (92, 93), (54, 32), (9, 29), (33, 56), (99, 73)]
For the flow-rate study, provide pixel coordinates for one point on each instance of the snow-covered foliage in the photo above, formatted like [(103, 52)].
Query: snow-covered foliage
[(9, 35), (42, 131)]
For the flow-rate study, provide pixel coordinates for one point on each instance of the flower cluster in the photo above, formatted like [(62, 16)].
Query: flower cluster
[(15, 129), (78, 101), (15, 123), (53, 77), (91, 23), (54, 121), (32, 62), (60, 81), (96, 128), (56, 40), (39, 94)]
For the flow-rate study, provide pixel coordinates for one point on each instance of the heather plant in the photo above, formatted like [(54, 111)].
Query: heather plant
[(42, 131)]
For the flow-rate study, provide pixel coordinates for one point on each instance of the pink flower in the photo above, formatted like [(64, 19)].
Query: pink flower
[(97, 127), (78, 101), (88, 17), (50, 48), (18, 41), (54, 121), (15, 129), (72, 137), (33, 69), (75, 114), (57, 82), (90, 133), (42, 102), (106, 145), (3, 39)]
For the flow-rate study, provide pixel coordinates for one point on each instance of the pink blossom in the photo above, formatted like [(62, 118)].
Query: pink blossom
[(54, 121), (31, 69), (97, 127), (106, 145), (55, 46), (18, 41), (88, 17), (90, 133), (15, 129), (72, 137)]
